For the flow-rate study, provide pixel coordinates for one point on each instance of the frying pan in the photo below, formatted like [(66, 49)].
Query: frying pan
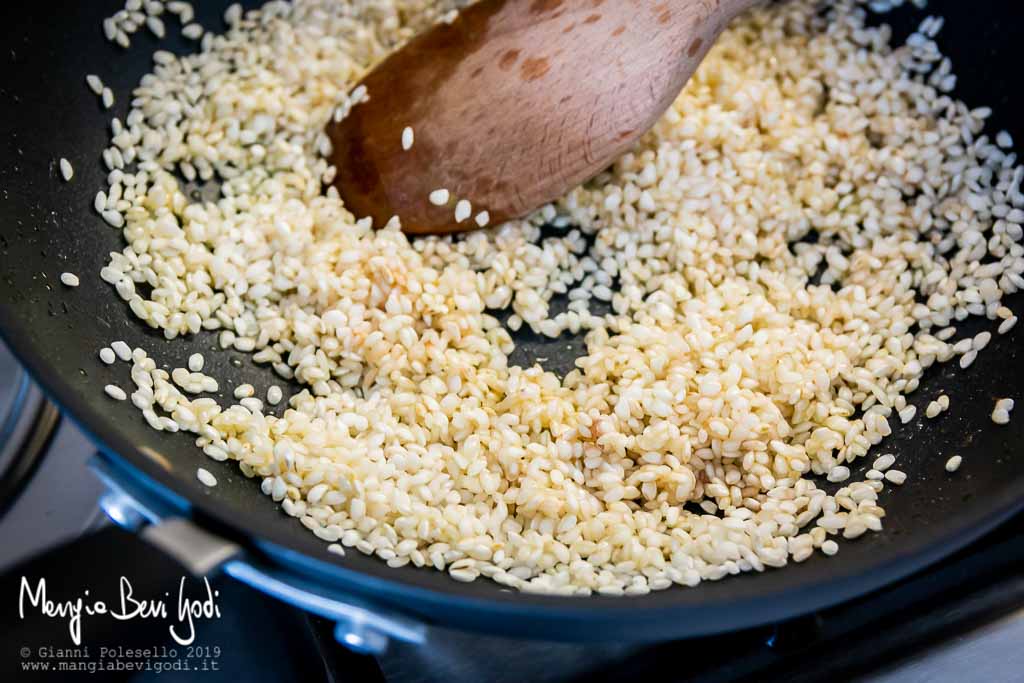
[(48, 227)]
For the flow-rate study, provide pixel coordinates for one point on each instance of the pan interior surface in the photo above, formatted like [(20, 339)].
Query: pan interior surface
[(49, 228)]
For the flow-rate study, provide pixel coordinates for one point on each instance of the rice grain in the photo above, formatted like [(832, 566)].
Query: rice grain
[(205, 477)]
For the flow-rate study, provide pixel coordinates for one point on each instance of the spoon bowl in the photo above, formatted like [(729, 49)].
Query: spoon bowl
[(512, 104)]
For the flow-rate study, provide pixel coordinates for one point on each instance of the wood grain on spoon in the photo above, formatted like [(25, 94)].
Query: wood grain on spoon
[(515, 103)]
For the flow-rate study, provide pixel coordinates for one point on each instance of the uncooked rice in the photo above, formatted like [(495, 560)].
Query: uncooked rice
[(884, 462), (244, 391), (1001, 412), (895, 476), (115, 392), (192, 32), (123, 351), (125, 22), (95, 84), (206, 477), (463, 210), (737, 360)]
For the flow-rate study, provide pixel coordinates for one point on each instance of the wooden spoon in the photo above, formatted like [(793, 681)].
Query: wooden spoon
[(515, 103)]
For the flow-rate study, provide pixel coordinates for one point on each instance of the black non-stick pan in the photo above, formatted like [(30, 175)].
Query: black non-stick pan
[(47, 227)]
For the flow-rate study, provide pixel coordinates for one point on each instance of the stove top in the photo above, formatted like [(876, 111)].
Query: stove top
[(960, 620)]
